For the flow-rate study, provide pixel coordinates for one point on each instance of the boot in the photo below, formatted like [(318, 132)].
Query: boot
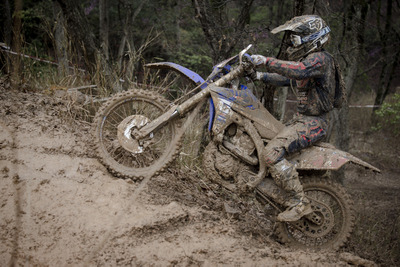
[(296, 212), (286, 176)]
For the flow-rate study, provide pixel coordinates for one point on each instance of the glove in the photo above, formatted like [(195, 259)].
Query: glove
[(258, 60), (256, 75)]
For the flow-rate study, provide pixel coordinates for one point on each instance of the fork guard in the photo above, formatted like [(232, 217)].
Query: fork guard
[(324, 156)]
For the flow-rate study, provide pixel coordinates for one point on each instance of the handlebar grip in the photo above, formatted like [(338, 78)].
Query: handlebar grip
[(247, 58)]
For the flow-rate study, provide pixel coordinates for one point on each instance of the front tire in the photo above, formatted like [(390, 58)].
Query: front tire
[(335, 209), (120, 162)]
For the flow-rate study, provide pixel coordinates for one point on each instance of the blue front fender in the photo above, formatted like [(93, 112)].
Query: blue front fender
[(191, 75)]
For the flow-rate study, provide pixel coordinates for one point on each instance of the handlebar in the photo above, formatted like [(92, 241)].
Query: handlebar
[(230, 76), (243, 52), (244, 65)]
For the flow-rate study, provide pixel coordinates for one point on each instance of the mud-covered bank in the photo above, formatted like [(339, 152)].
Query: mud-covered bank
[(60, 206)]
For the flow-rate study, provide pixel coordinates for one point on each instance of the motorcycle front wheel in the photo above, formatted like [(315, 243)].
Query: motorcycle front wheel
[(333, 218), (155, 156)]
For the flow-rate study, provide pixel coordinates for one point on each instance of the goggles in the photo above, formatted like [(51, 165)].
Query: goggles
[(297, 40)]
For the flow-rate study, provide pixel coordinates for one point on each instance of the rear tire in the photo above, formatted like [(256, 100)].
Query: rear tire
[(333, 200)]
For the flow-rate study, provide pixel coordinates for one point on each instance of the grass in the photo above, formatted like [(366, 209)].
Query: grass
[(193, 143)]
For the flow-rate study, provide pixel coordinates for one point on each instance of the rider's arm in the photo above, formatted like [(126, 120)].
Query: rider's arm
[(274, 79), (312, 66)]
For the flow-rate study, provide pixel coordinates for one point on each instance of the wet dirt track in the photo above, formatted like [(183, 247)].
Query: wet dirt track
[(59, 206)]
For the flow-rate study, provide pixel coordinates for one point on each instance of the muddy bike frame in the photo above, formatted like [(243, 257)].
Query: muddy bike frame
[(248, 112), (189, 104)]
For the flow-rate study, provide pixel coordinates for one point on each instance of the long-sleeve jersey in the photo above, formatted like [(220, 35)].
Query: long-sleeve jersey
[(314, 77)]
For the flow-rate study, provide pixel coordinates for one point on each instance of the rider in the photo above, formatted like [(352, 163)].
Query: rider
[(313, 71)]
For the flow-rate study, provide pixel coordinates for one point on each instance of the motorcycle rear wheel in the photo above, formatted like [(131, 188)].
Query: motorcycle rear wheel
[(330, 234), (155, 157)]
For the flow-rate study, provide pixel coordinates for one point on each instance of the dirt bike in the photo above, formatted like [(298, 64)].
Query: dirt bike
[(138, 135)]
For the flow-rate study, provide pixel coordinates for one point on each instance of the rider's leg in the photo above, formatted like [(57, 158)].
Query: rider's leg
[(286, 177), (302, 132)]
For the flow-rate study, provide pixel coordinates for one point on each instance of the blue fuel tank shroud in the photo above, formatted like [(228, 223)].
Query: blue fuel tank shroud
[(243, 97)]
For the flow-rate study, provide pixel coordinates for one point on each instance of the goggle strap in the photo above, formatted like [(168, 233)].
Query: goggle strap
[(316, 35)]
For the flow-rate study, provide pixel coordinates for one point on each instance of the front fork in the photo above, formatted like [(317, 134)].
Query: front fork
[(172, 113)]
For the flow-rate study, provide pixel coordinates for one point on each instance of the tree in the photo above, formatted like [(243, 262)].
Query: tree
[(390, 56), (221, 28), (350, 50), (269, 91), (127, 40), (61, 41), (17, 44), (80, 32), (104, 29), (7, 34)]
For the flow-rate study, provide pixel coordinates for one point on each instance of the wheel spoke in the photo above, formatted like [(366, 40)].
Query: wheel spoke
[(331, 204), (156, 149)]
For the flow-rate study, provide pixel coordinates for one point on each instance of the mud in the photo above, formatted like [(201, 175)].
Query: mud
[(59, 206)]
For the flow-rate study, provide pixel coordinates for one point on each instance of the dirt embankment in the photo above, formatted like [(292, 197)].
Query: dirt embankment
[(59, 205)]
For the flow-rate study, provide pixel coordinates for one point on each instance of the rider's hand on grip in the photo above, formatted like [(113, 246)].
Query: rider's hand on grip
[(254, 75), (258, 60), (247, 58)]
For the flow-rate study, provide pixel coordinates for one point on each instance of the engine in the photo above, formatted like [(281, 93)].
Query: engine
[(238, 142), (235, 154)]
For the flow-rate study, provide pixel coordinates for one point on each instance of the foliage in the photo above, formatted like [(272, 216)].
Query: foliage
[(198, 63), (389, 114)]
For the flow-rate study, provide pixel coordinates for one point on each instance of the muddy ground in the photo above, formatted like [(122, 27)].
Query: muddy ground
[(59, 206)]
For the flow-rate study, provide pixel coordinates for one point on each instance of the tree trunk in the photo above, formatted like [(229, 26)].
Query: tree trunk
[(339, 134), (220, 36), (80, 33), (177, 28), (8, 23), (279, 111), (126, 41), (60, 40), (384, 78), (105, 66), (121, 48), (7, 34), (104, 29), (354, 22), (17, 45)]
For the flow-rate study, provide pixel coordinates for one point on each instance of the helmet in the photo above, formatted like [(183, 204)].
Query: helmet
[(308, 33)]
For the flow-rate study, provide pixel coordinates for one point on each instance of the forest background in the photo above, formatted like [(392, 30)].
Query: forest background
[(106, 43), (113, 39), (103, 45)]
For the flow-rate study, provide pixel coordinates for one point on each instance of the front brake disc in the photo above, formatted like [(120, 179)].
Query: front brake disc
[(124, 134)]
